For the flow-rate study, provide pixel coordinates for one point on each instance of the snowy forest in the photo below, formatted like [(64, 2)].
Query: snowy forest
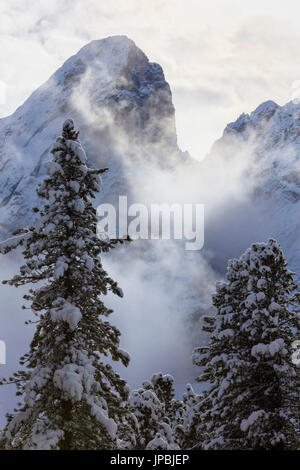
[(73, 397), (149, 226)]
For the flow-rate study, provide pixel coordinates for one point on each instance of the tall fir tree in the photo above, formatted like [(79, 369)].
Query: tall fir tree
[(253, 400), (73, 398)]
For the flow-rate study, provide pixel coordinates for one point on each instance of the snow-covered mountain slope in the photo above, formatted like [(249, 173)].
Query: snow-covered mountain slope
[(266, 146), (120, 102), (122, 105)]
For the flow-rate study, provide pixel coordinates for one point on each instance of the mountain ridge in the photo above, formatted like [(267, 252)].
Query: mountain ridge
[(123, 107), (118, 99), (268, 140)]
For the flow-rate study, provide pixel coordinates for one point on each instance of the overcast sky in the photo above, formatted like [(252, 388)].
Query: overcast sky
[(220, 57)]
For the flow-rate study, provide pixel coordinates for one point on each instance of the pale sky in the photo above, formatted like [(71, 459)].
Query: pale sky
[(221, 57)]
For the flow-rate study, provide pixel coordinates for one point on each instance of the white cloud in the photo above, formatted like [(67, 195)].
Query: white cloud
[(2, 92)]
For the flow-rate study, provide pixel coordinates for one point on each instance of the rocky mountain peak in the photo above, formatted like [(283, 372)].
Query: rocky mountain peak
[(119, 100), (265, 144)]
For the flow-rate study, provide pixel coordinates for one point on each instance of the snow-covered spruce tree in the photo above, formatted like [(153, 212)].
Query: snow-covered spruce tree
[(253, 401), (73, 398), (156, 408), (187, 419)]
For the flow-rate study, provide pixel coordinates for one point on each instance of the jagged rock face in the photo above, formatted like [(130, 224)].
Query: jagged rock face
[(269, 141), (120, 102)]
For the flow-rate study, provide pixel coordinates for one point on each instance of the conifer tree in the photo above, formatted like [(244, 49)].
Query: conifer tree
[(253, 401), (156, 408), (187, 419), (73, 398)]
